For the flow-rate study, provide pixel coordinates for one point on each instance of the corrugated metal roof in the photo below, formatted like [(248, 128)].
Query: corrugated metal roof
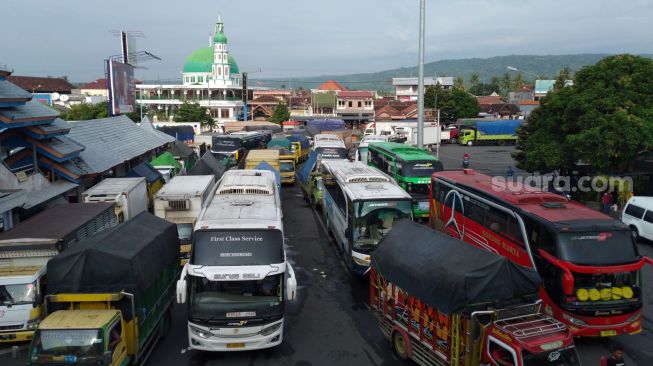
[(57, 127), (112, 141), (35, 198), (11, 91), (63, 145), (30, 110)]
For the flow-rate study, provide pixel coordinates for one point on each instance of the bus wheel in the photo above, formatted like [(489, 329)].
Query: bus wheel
[(469, 143), (635, 233), (399, 345)]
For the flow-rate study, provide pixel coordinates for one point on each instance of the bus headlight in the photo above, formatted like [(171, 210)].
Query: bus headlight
[(200, 332), (33, 324), (573, 320), (269, 330), (362, 262)]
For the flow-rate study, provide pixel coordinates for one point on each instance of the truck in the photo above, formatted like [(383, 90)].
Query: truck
[(361, 151), (433, 135), (344, 135), (24, 252), (442, 302), (309, 178), (300, 146), (167, 165), (499, 132), (326, 124), (238, 274), (154, 180), (180, 202), (286, 165), (254, 157), (109, 297), (129, 196)]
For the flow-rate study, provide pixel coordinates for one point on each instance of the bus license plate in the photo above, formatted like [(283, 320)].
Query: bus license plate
[(235, 345), (608, 333), (423, 206)]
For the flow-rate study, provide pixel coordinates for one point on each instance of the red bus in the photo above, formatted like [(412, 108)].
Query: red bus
[(589, 262)]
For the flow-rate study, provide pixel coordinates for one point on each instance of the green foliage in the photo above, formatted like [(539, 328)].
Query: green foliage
[(474, 79), (604, 119), (453, 104), (459, 82), (135, 115), (84, 111), (193, 112), (280, 113)]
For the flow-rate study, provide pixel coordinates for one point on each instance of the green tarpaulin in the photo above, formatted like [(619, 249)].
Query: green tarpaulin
[(165, 159)]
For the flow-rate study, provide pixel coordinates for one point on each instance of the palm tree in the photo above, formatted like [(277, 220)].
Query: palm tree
[(474, 79)]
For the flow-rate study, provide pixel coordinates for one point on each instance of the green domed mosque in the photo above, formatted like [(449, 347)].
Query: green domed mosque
[(212, 65), (210, 77)]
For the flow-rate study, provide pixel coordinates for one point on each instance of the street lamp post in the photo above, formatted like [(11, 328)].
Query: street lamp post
[(420, 82)]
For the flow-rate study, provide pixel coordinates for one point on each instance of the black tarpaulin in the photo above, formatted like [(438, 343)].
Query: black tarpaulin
[(208, 165), (447, 273), (127, 257)]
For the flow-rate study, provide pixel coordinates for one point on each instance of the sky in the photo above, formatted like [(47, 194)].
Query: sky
[(294, 38)]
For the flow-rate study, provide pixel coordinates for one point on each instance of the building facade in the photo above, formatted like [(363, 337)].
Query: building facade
[(406, 88), (210, 77), (355, 106)]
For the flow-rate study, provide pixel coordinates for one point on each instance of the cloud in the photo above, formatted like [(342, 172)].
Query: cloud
[(300, 38)]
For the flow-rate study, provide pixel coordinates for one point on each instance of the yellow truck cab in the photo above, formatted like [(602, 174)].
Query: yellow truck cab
[(286, 165), (81, 336)]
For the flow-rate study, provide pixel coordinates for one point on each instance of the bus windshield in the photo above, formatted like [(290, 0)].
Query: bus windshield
[(373, 220), (287, 167), (331, 153), (237, 247), (419, 168), (70, 345), (233, 300), (597, 248)]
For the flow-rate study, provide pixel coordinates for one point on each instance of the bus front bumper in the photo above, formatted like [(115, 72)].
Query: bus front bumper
[(230, 339)]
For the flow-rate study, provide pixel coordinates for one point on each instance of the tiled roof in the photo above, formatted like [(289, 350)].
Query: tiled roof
[(488, 100), (355, 94), (529, 102), (62, 145), (52, 190), (180, 148), (57, 127), (112, 141), (42, 84), (331, 85), (99, 84), (31, 110), (163, 137), (9, 91), (265, 99), (501, 108)]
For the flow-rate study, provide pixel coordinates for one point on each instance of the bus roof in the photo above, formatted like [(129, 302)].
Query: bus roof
[(243, 199), (545, 205), (362, 182), (403, 151), (329, 143)]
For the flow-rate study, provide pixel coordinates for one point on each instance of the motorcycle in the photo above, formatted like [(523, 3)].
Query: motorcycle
[(465, 163)]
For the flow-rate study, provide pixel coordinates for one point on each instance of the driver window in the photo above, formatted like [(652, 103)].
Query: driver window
[(115, 336), (500, 355)]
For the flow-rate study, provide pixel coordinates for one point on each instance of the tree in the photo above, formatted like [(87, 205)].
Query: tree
[(134, 116), (561, 79), (605, 119), (280, 113), (474, 79), (85, 111), (459, 82), (453, 104), (193, 112)]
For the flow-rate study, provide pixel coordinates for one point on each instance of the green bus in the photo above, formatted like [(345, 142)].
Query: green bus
[(410, 167)]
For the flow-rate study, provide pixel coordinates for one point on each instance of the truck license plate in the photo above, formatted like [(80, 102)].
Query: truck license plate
[(608, 333), (235, 345)]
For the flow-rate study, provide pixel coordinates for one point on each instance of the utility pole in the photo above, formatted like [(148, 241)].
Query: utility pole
[(420, 81)]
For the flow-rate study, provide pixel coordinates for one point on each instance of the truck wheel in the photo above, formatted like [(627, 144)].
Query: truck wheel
[(469, 143), (400, 346), (453, 140)]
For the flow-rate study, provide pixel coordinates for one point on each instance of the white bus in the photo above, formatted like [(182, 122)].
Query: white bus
[(361, 152), (237, 273), (361, 205)]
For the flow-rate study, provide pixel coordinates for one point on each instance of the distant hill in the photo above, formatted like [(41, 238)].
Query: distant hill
[(547, 65)]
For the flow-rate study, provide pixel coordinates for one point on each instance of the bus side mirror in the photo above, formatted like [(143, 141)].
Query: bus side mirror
[(568, 284), (181, 291), (38, 299), (291, 283)]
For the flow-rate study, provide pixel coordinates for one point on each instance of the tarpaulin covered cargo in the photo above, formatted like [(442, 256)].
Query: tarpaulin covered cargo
[(129, 257), (180, 133), (304, 172), (326, 124), (147, 171), (208, 165), (505, 127), (279, 141), (264, 165), (447, 273), (302, 139)]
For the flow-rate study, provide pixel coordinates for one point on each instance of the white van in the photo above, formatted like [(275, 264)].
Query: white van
[(638, 215)]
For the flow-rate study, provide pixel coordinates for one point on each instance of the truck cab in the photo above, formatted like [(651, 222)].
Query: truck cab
[(20, 301), (94, 337)]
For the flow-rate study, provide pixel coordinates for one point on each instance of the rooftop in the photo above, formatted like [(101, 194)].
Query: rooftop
[(84, 319), (42, 84), (331, 85)]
